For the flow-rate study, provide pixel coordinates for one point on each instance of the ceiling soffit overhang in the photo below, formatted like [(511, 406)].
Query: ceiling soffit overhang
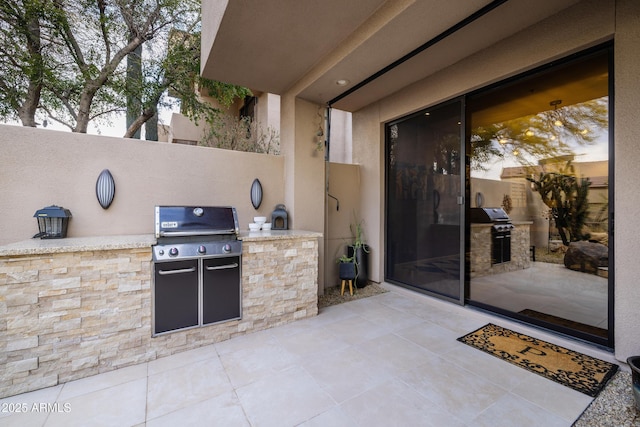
[(269, 45), (409, 56), (310, 56)]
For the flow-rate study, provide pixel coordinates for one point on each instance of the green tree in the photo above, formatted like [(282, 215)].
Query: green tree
[(547, 134), (178, 72), (23, 68), (567, 199), (64, 61)]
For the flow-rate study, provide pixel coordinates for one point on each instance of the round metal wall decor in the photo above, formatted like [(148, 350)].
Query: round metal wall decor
[(256, 193), (105, 189)]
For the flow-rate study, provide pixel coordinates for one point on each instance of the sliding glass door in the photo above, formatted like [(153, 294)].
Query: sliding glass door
[(539, 150), (425, 201), (536, 190)]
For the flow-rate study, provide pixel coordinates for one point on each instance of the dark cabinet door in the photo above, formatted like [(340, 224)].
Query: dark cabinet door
[(176, 295), (221, 289)]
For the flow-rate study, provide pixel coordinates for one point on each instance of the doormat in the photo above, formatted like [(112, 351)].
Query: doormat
[(578, 371), (576, 326)]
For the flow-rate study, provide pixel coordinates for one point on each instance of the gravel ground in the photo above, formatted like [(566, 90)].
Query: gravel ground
[(614, 406), (332, 295)]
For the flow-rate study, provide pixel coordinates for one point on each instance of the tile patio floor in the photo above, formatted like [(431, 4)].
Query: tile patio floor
[(387, 360)]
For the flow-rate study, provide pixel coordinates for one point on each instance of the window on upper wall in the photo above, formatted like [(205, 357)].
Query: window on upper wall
[(248, 110)]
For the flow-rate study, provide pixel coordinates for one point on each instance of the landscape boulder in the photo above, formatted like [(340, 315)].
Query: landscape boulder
[(586, 256)]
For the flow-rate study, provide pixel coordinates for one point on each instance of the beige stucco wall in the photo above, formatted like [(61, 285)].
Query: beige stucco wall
[(341, 144), (343, 183), (268, 114), (182, 129), (308, 178), (368, 152), (627, 159), (44, 167), (584, 25), (304, 168)]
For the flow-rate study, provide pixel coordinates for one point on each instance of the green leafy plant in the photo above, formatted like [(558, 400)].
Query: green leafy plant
[(345, 258), (567, 199), (357, 230), (242, 134)]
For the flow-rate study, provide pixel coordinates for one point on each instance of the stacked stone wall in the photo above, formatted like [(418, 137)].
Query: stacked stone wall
[(481, 251), (65, 316)]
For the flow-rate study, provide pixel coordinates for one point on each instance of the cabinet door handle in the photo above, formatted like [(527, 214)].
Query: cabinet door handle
[(222, 267), (183, 270)]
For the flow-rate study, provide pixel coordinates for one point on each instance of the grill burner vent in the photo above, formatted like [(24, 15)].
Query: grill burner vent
[(195, 231)]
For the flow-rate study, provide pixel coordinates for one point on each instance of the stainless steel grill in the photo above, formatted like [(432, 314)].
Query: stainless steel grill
[(500, 231), (197, 267)]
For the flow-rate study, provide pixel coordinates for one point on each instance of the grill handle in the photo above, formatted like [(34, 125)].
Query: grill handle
[(222, 267), (195, 233), (179, 271)]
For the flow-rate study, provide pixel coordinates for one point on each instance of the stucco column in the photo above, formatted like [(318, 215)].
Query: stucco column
[(368, 152), (304, 168), (627, 197)]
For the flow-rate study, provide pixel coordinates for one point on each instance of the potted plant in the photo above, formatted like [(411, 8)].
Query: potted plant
[(347, 267), (359, 251), (634, 364), (348, 273)]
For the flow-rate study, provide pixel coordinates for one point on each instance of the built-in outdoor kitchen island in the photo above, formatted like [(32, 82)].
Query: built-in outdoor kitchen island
[(498, 244), (75, 307)]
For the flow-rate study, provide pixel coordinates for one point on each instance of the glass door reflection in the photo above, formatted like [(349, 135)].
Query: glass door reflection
[(424, 196), (539, 150)]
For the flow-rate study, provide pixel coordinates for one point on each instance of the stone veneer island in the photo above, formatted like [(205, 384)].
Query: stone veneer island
[(75, 307)]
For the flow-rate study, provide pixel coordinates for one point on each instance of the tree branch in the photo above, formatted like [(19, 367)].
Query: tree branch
[(69, 37), (103, 29), (55, 119)]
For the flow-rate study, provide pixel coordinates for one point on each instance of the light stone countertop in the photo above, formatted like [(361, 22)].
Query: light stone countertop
[(77, 244), (258, 236), (106, 243)]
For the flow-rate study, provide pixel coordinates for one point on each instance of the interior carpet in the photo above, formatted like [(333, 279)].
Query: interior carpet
[(578, 371)]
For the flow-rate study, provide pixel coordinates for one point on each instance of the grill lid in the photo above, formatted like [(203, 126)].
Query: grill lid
[(195, 220), (488, 215)]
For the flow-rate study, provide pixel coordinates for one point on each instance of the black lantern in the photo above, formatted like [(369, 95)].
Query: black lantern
[(52, 222), (279, 218)]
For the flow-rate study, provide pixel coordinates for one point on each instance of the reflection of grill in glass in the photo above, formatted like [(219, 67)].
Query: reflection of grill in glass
[(500, 231), (501, 243)]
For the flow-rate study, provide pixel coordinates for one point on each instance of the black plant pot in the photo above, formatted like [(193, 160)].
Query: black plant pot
[(347, 271), (362, 264), (634, 364)]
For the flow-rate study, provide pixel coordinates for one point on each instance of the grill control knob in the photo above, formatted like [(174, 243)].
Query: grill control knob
[(173, 252), (202, 249), (226, 248)]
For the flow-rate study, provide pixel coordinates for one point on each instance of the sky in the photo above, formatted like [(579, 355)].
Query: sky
[(117, 127), (591, 153)]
